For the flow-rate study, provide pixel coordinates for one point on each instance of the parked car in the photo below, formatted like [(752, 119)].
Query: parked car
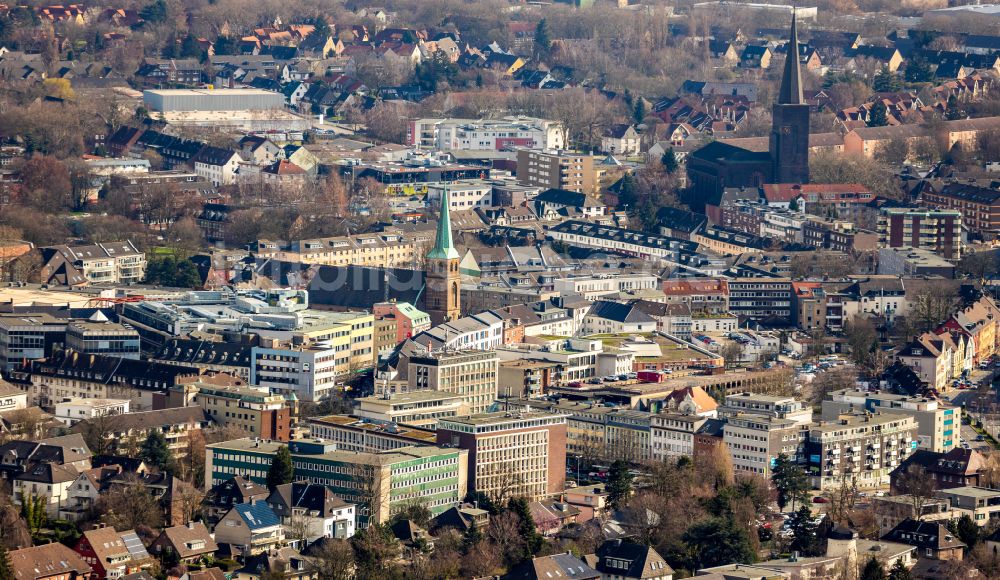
[(820, 499)]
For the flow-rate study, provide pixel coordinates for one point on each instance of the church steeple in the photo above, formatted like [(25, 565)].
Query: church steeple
[(443, 248), (791, 81), (790, 121), (442, 278)]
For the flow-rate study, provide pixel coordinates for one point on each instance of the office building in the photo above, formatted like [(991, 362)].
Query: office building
[(28, 337), (907, 262), (934, 230), (555, 169), (103, 338), (672, 435), (511, 454), (779, 406), (470, 373), (380, 484), (310, 372), (864, 447), (755, 441), (417, 408), (761, 298), (363, 435)]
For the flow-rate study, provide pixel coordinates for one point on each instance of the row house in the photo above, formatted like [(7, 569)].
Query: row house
[(978, 323)]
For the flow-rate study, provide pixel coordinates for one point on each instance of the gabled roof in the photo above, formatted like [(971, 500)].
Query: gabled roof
[(307, 496), (640, 561), (924, 535), (618, 312), (46, 561), (257, 515), (189, 540), (554, 567)]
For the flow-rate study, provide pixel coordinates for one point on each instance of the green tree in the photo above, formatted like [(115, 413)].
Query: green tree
[(33, 511), (619, 484), (805, 538), (918, 70), (190, 47), (952, 111), (628, 191), (879, 116), (669, 161), (899, 571), (526, 528), (789, 481), (225, 45), (281, 471), (885, 81), (968, 531), (6, 573), (154, 13), (639, 110), (793, 205), (717, 541), (873, 570), (156, 453), (471, 538), (543, 40)]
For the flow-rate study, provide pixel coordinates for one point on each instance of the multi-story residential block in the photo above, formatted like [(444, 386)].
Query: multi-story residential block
[(389, 250), (938, 423), (254, 410), (524, 378), (462, 195), (470, 373), (125, 433), (760, 298), (217, 165), (603, 285), (88, 337), (109, 263), (417, 408), (363, 435), (938, 231), (71, 375), (837, 235), (627, 242), (979, 206), (380, 484), (673, 434), (704, 296), (755, 441), (865, 447), (409, 320), (485, 134), (72, 411), (511, 454), (556, 169), (982, 503), (781, 407)]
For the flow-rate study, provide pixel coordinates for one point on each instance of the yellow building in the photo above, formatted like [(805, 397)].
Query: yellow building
[(377, 249)]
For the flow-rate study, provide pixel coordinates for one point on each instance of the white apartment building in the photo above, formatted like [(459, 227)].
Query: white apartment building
[(864, 446), (462, 195), (485, 134), (473, 374), (938, 423), (72, 411), (309, 372), (594, 287), (672, 435)]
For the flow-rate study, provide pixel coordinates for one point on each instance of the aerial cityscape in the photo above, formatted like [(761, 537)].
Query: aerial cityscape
[(496, 289)]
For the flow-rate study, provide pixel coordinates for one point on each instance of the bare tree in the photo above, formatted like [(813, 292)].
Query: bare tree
[(128, 505), (333, 560), (916, 483)]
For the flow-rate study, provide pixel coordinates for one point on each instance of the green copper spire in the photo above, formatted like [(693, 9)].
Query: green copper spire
[(443, 249)]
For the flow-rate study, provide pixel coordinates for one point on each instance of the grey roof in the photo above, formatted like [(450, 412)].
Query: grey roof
[(790, 92), (618, 312)]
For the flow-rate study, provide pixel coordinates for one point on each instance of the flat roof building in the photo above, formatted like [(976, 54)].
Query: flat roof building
[(177, 100)]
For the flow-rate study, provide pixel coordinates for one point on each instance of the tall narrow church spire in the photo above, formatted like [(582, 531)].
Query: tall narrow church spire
[(791, 80), (443, 248)]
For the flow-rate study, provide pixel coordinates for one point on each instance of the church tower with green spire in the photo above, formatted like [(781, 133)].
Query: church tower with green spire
[(443, 283)]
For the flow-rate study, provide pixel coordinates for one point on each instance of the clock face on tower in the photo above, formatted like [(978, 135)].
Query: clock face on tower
[(786, 130)]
